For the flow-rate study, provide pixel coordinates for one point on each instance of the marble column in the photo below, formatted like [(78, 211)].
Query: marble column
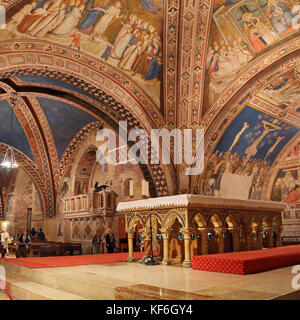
[(204, 240), (131, 257), (166, 236), (187, 263)]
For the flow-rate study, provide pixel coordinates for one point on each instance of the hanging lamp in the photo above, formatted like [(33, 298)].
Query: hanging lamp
[(9, 162)]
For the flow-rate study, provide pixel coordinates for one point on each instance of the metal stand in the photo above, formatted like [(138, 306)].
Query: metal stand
[(150, 260)]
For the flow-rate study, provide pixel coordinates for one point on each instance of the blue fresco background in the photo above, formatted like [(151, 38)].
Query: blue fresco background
[(254, 118)]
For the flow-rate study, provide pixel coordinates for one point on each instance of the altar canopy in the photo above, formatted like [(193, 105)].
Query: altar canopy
[(184, 226)]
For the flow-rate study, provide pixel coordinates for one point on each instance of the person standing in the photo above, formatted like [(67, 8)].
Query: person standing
[(4, 242), (41, 235), (96, 243), (23, 240), (110, 241)]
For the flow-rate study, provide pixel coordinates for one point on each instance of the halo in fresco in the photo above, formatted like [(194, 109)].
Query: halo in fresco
[(127, 34)]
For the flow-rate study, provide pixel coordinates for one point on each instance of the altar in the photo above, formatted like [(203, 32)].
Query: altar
[(184, 226)]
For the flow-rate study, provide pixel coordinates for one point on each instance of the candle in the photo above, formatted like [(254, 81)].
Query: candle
[(131, 188), (145, 189)]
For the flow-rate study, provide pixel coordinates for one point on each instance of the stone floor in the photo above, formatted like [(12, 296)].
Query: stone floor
[(180, 281), (136, 281)]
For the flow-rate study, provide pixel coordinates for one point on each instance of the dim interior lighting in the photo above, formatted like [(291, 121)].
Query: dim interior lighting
[(4, 225)]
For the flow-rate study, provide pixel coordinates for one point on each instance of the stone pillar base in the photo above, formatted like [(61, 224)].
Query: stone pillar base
[(187, 264), (166, 262), (131, 259)]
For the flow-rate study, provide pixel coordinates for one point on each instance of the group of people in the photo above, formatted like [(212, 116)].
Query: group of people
[(226, 59), (233, 163), (22, 241), (132, 41), (110, 242), (260, 31)]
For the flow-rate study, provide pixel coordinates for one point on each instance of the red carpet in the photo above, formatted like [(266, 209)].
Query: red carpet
[(71, 261), (246, 262)]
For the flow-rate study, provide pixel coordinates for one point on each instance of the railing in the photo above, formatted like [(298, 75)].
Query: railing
[(291, 213), (78, 204), (92, 203)]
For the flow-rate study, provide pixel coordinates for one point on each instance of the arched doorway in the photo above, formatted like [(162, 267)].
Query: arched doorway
[(84, 172), (215, 235), (229, 234), (157, 238), (267, 233), (256, 234), (199, 231), (276, 228)]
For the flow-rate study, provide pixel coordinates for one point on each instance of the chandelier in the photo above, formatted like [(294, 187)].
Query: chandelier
[(9, 162)]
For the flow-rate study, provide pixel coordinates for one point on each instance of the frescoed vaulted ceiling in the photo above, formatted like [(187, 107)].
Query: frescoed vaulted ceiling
[(230, 67)]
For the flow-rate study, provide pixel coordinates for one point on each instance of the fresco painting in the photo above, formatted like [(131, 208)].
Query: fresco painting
[(126, 34), (65, 121), (287, 186), (245, 154), (241, 31), (283, 92), (18, 139)]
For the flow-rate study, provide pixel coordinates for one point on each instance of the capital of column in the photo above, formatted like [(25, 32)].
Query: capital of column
[(130, 233), (186, 233), (165, 233)]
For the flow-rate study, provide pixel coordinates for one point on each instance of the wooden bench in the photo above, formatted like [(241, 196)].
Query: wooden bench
[(45, 249)]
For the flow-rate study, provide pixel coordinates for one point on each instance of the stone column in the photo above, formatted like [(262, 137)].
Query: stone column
[(220, 232), (236, 239), (259, 243), (131, 257), (147, 242), (166, 236), (204, 240), (279, 236), (187, 263), (270, 237), (248, 234)]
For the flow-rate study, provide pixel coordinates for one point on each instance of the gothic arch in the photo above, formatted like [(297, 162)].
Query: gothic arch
[(33, 172), (170, 218)]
